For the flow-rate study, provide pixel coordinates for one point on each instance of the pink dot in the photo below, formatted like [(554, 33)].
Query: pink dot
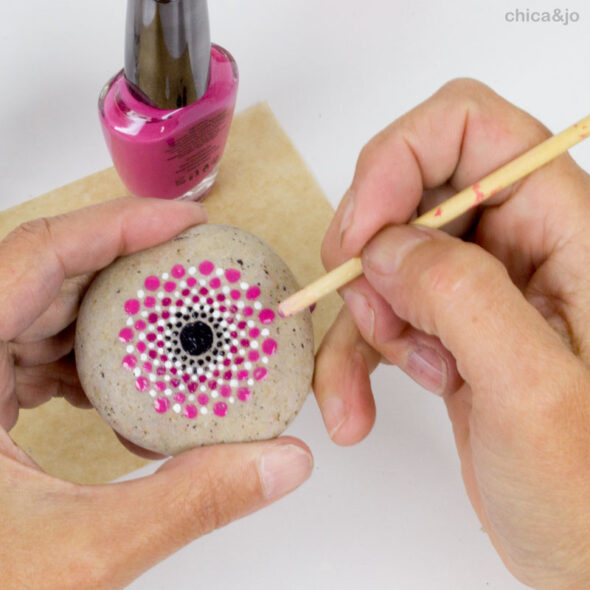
[(141, 347), (220, 409), (203, 399), (147, 367), (191, 281), (260, 374), (153, 318), (192, 387), (166, 301), (203, 291), (232, 275), (215, 283), (129, 362), (161, 405), (245, 342), (132, 306), (226, 362), (235, 294), (253, 356), (213, 385), (160, 386), (153, 354), (175, 382), (254, 333), (142, 384), (248, 311), (126, 335), (269, 347), (206, 268), (191, 411), (165, 315), (233, 309), (266, 316), (151, 337), (180, 398), (221, 297), (178, 271), (253, 293), (243, 375), (140, 325), (225, 390), (169, 286), (152, 283), (186, 292), (149, 302), (244, 394)]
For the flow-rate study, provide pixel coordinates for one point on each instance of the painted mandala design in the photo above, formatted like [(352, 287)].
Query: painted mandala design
[(197, 340)]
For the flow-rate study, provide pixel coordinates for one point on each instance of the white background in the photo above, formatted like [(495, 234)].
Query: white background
[(391, 512)]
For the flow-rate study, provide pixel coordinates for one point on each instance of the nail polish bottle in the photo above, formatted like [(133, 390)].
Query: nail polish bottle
[(166, 115)]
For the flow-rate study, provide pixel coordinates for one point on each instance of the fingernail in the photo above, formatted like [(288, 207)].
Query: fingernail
[(346, 216), (384, 255), (427, 368), (282, 469), (334, 414), (362, 312)]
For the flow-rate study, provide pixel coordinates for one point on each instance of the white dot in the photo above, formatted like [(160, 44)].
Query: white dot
[(130, 321), (140, 294), (202, 282), (203, 410), (168, 392), (241, 352), (161, 295), (250, 381), (136, 372), (214, 394), (151, 345), (156, 363), (143, 357), (244, 286), (240, 305), (173, 309), (219, 272), (265, 332), (247, 366), (192, 270), (166, 377), (183, 285), (161, 323), (189, 370), (191, 397), (238, 316), (183, 310), (158, 308), (152, 378), (181, 387), (265, 360), (233, 383), (258, 305), (178, 364), (203, 388), (153, 393), (200, 371), (254, 344), (165, 276), (168, 364), (231, 400), (177, 294), (223, 324), (225, 290), (250, 324), (176, 408), (168, 333), (226, 347), (141, 336), (144, 314), (130, 348), (209, 374)]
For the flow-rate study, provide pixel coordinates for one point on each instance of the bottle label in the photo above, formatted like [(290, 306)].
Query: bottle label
[(196, 152)]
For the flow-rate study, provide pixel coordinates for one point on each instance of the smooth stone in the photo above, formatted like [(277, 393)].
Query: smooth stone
[(170, 372)]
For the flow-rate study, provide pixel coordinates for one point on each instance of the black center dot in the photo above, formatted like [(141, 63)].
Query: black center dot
[(196, 338)]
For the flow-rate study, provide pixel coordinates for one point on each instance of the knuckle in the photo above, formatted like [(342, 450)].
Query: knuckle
[(455, 273), (36, 230)]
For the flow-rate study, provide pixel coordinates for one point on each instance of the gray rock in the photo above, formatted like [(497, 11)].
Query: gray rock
[(181, 345)]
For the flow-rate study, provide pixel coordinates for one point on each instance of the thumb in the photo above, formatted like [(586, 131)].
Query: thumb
[(463, 295), (190, 496)]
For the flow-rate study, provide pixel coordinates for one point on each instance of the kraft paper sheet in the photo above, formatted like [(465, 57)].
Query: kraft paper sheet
[(263, 187)]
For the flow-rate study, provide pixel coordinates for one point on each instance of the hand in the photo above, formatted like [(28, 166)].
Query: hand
[(55, 534), (498, 325)]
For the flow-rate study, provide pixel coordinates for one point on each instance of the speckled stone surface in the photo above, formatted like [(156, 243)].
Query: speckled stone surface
[(181, 345)]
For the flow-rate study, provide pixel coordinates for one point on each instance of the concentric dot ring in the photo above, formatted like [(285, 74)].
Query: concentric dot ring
[(197, 339)]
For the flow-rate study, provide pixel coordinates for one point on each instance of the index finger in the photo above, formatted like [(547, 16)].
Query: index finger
[(458, 136), (37, 256)]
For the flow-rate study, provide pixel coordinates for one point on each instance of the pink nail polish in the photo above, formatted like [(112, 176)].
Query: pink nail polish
[(166, 116)]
